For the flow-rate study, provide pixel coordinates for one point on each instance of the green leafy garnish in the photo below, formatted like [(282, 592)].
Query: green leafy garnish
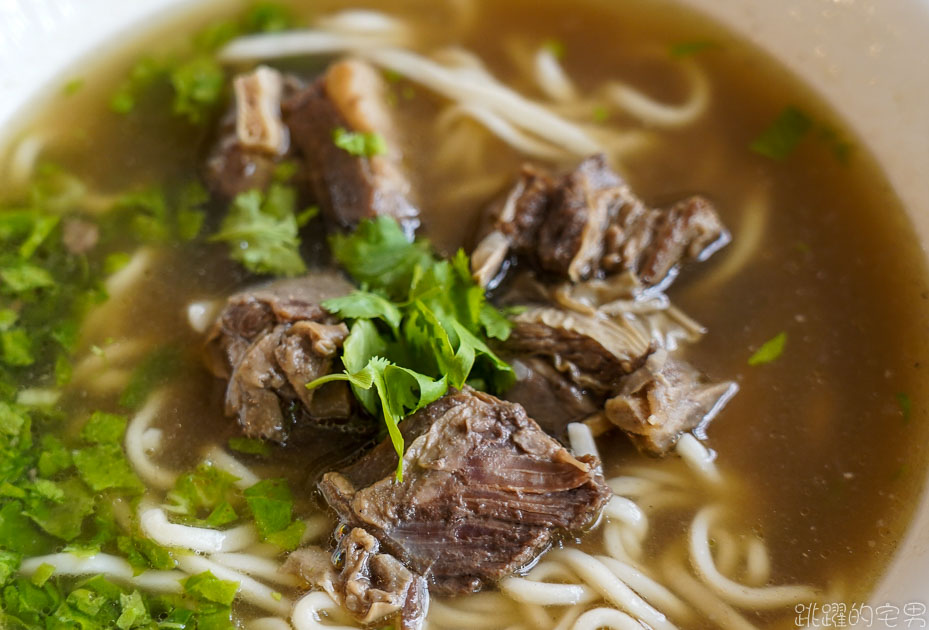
[(196, 79), (198, 87), (73, 86), (601, 114), (769, 350), (261, 230), (104, 428), (42, 574), (206, 497), (840, 147), (686, 49), (783, 135), (249, 446), (357, 143), (419, 325), (207, 586), (271, 505)]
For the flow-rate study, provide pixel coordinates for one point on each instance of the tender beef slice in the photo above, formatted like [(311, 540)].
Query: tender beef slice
[(548, 396), (588, 223), (664, 398), (348, 187), (593, 351), (372, 586), (484, 492), (654, 243), (252, 137), (571, 237), (511, 225), (269, 343)]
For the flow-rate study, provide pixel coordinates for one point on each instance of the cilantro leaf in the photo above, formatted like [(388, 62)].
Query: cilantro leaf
[(783, 135), (207, 587), (365, 305), (359, 144), (271, 505), (378, 254), (104, 428), (104, 466), (62, 519), (25, 277), (261, 230), (199, 85), (250, 446), (769, 350), (400, 392), (201, 497)]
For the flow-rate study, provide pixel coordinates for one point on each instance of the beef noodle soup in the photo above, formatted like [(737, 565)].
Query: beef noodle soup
[(464, 315)]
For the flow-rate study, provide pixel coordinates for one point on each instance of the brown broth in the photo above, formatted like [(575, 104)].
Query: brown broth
[(829, 467)]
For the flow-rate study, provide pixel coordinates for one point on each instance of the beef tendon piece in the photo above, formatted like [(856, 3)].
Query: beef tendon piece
[(485, 491), (548, 396), (269, 343), (252, 136), (664, 398), (593, 351), (349, 188), (372, 586), (588, 223)]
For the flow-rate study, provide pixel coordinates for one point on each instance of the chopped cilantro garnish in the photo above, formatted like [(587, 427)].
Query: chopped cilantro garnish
[(271, 505), (205, 497), (198, 85), (208, 587), (357, 143), (104, 428), (249, 446), (841, 148), (104, 466), (783, 135), (261, 230), (73, 86), (686, 49), (42, 574), (769, 350), (601, 114), (268, 17), (196, 79)]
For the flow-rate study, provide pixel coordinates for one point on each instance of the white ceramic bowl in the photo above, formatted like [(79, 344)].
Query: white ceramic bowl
[(866, 57)]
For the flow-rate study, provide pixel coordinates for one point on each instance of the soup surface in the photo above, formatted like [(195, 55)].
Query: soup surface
[(816, 309)]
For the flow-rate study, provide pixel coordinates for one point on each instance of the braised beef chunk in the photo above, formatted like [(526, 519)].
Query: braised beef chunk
[(608, 343), (654, 243), (548, 396), (664, 398), (252, 137), (595, 352), (484, 492), (589, 223), (269, 343), (372, 586), (349, 187)]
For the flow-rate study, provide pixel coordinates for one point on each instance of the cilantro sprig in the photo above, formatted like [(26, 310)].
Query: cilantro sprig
[(420, 325)]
